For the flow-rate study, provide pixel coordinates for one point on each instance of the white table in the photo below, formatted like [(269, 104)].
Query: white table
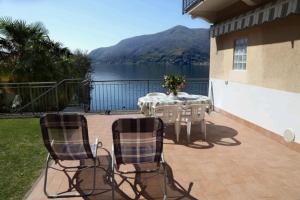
[(147, 102)]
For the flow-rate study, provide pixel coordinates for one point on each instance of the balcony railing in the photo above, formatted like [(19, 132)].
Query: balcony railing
[(90, 95), (36, 97), (187, 5), (122, 95)]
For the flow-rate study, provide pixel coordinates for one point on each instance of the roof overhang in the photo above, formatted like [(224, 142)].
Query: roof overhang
[(263, 14), (208, 9)]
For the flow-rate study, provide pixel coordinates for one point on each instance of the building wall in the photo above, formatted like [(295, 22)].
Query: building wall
[(268, 91), (274, 110), (273, 55)]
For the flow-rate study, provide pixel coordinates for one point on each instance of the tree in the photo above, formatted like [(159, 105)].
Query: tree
[(82, 63), (30, 55)]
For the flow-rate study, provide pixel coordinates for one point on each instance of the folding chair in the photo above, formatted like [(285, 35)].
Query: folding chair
[(66, 138), (137, 142)]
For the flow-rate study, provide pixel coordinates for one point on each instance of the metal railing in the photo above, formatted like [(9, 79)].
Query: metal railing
[(14, 95), (189, 4), (40, 96), (122, 95), (90, 96)]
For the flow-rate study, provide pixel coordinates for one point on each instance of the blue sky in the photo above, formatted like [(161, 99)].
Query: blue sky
[(89, 24)]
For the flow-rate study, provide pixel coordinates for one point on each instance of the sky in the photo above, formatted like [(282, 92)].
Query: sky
[(90, 24)]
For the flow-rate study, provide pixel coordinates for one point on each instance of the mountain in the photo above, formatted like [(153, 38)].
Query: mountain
[(178, 45)]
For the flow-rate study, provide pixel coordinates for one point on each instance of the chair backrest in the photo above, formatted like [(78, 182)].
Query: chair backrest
[(192, 112), (66, 136), (153, 94), (167, 113), (138, 140)]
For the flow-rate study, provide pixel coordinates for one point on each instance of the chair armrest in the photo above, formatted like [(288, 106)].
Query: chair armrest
[(163, 157), (98, 143), (112, 157), (112, 150)]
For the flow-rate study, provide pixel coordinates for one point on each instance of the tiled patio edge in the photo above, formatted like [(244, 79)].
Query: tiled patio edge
[(34, 184), (292, 145)]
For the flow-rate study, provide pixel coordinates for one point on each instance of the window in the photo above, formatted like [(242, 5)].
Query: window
[(240, 54)]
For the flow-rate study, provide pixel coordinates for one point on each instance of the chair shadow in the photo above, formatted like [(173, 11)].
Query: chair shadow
[(152, 183), (215, 135)]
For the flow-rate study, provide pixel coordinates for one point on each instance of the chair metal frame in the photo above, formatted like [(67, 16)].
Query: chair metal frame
[(69, 169), (114, 169)]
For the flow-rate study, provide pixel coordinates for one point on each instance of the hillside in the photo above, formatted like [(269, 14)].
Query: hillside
[(178, 45)]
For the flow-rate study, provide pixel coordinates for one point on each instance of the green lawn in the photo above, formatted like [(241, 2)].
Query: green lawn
[(22, 155)]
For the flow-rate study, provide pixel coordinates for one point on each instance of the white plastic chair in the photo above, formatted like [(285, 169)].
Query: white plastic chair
[(153, 94), (192, 114), (169, 114)]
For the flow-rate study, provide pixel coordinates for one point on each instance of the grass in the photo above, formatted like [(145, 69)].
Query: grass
[(22, 155)]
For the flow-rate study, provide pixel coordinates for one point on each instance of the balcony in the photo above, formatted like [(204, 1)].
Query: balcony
[(215, 11), (187, 5)]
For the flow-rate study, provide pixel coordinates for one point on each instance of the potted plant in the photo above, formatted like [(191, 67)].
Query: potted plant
[(174, 83)]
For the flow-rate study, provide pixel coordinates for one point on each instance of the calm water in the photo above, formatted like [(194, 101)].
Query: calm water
[(125, 72), (114, 87)]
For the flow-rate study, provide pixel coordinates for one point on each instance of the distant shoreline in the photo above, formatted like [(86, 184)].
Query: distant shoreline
[(205, 64)]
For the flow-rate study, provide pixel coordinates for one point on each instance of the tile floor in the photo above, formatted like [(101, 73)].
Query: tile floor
[(235, 163)]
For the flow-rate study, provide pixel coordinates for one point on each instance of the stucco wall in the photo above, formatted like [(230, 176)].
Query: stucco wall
[(267, 93), (274, 110), (273, 55)]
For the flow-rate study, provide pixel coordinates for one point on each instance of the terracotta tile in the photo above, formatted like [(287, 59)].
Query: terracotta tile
[(236, 162), (238, 191), (223, 196), (231, 178)]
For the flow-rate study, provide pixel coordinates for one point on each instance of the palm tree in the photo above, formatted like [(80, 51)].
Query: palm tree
[(29, 51), (16, 36), (18, 40), (33, 56)]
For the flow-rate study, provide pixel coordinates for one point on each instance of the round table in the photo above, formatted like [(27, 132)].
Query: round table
[(147, 102)]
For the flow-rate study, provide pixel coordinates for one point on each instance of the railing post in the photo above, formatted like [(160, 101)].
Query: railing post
[(30, 93), (88, 94), (78, 94), (66, 96), (188, 4), (56, 98), (148, 86)]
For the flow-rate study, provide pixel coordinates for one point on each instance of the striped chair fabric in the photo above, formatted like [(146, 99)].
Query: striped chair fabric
[(137, 141), (66, 136)]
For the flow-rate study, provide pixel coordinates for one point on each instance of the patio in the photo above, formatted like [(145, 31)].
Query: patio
[(236, 162)]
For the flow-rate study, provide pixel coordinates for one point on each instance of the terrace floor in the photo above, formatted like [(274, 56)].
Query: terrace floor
[(236, 162)]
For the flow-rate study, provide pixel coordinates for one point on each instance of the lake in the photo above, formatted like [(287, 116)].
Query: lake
[(118, 87), (154, 71)]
